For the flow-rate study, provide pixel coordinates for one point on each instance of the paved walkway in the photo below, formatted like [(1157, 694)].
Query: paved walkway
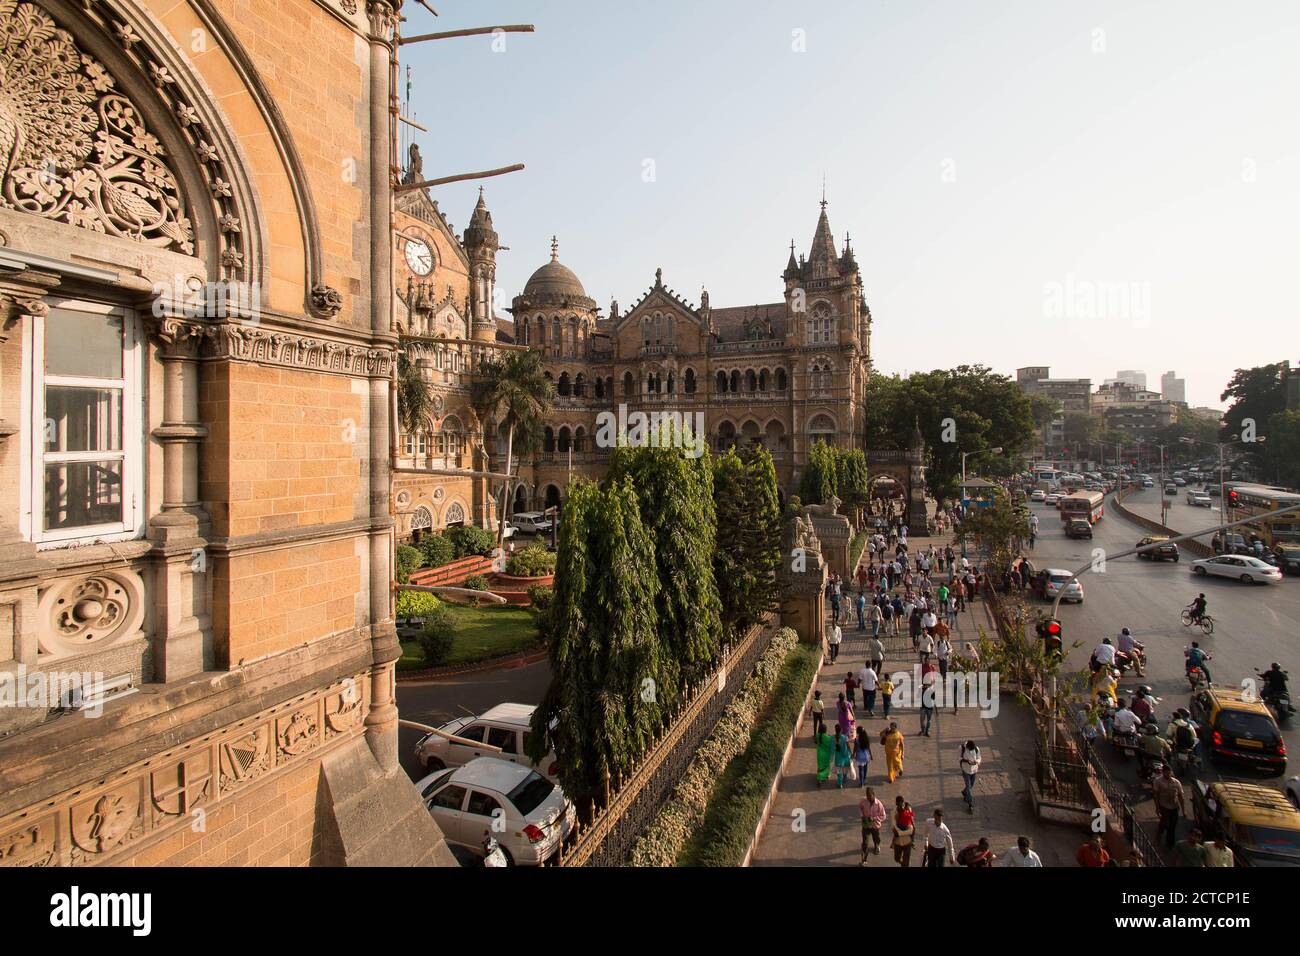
[(831, 834)]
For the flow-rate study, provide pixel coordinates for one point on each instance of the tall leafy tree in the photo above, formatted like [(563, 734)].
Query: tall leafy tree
[(817, 484), (748, 548), (606, 697), (414, 400), (675, 493), (514, 393), (854, 486), (1257, 395)]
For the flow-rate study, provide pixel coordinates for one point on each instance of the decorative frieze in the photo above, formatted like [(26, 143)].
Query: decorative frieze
[(253, 343), (104, 818)]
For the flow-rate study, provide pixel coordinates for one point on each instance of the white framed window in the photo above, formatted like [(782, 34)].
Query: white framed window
[(422, 444), (408, 445), (821, 326), (86, 453)]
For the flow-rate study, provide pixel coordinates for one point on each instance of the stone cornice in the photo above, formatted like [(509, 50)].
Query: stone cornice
[(247, 342)]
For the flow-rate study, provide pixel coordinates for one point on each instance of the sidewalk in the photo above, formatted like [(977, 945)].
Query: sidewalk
[(831, 828)]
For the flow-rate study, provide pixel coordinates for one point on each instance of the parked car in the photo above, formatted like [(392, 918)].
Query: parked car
[(531, 522), (1255, 821), (1078, 528), (1238, 727), (1049, 582), (534, 815), (1165, 549), (505, 727), (1199, 499), (1288, 558), (1246, 569)]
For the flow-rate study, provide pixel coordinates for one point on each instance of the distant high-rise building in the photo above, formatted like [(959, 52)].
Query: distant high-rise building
[(1173, 388), (1130, 376)]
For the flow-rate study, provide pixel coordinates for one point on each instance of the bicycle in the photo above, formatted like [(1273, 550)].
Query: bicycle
[(1206, 622)]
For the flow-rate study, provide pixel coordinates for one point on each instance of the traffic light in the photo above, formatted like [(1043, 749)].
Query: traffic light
[(1232, 499), (1049, 630)]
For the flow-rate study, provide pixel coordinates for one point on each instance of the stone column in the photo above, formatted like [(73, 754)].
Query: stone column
[(381, 720), (182, 575)]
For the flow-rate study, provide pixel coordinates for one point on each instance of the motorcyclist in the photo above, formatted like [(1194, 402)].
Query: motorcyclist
[(1128, 651), (1125, 722), (1198, 608), (1104, 656), (1274, 683), (1152, 748), (1144, 704), (1198, 658), (1105, 684), (1181, 732)]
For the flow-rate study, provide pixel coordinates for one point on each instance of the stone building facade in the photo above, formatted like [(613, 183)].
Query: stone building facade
[(780, 374), (197, 337)]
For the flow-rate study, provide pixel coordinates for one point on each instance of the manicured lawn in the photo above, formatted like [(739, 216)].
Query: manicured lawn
[(481, 632)]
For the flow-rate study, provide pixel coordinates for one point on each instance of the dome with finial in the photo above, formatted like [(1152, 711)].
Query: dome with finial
[(556, 283)]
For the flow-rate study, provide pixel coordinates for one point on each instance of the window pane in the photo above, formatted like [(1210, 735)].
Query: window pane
[(82, 493), (81, 343), (83, 419)]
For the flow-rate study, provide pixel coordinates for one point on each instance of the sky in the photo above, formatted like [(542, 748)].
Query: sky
[(1089, 186)]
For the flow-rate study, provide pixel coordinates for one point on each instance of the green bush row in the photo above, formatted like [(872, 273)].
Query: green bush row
[(738, 799)]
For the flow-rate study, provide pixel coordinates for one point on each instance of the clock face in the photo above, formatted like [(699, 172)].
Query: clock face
[(419, 257)]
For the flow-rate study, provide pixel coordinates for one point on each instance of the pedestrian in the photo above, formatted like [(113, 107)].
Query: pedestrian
[(977, 855), (969, 761), (850, 689), (876, 616), (1218, 853), (927, 710), (938, 843), (1093, 853), (818, 711), (862, 577), (1190, 851), (1022, 855), (876, 655), (862, 754), (825, 751), (892, 740), (869, 683), (914, 626), (862, 611), (904, 827), (1170, 802), (844, 716), (873, 814), (886, 694), (959, 589), (843, 757), (834, 640), (943, 653)]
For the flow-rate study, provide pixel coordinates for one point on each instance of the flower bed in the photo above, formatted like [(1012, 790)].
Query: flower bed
[(682, 814)]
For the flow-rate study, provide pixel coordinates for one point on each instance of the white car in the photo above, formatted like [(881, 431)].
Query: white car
[(1246, 569), (1055, 580), (1199, 499), (1051, 499), (531, 522), (1293, 791), (528, 815), (1038, 494), (505, 727)]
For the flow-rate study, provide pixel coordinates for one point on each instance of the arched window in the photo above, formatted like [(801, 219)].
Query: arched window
[(629, 385), (557, 337), (580, 386), (609, 387), (781, 381), (722, 382), (421, 519), (548, 440), (671, 383), (564, 442), (823, 427), (762, 380), (726, 436), (580, 439), (563, 386), (751, 381), (734, 383), (455, 515), (688, 383), (600, 387), (821, 325)]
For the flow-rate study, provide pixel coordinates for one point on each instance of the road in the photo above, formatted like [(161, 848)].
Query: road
[(1255, 625)]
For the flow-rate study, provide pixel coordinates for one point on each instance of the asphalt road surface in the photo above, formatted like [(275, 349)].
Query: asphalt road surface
[(1255, 624)]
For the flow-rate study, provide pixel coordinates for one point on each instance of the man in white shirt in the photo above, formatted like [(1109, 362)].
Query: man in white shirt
[(938, 842), (834, 640), (929, 620), (869, 681), (1021, 855), (1125, 721), (1104, 655), (969, 761)]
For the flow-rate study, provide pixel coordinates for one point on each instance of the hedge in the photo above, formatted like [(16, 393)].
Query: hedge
[(415, 603), (723, 838), (660, 844), (532, 562)]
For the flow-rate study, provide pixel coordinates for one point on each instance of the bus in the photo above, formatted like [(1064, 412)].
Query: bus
[(1083, 504), (1245, 500)]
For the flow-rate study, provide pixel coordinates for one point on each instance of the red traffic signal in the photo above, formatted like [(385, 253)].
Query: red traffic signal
[(1049, 630)]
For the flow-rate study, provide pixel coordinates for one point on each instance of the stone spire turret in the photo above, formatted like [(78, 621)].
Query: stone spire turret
[(481, 244)]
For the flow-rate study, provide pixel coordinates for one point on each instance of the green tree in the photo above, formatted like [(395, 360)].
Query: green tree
[(515, 394), (748, 548), (996, 530), (854, 486), (1081, 430), (414, 400), (605, 700), (675, 495), (1284, 447), (818, 481), (408, 559), (436, 550)]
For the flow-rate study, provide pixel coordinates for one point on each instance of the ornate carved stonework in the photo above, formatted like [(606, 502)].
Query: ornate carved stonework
[(326, 301), (156, 796), (249, 343), (72, 148), (81, 614)]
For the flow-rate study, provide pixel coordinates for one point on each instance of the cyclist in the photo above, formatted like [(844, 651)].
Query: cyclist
[(1197, 608)]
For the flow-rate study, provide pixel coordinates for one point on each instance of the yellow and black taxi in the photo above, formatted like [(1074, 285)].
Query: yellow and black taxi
[(1163, 549), (1288, 557), (1257, 822), (1078, 528), (1238, 727)]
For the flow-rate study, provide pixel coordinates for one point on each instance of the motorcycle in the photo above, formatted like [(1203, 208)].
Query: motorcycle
[(1125, 745), (1195, 674), (1135, 660), (1279, 704), (1184, 761)]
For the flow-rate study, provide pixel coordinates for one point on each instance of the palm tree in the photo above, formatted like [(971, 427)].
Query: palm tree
[(414, 400), (514, 393)]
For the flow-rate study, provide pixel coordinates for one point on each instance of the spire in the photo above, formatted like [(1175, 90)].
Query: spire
[(823, 246), (918, 440), (555, 249), (791, 267), (479, 232)]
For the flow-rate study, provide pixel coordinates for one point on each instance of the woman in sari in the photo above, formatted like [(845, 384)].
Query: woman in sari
[(893, 741), (844, 717), (825, 747), (843, 757)]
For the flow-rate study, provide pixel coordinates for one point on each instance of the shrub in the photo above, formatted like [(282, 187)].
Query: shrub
[(408, 559), (437, 550), (533, 561), (470, 539), (416, 604), (542, 596), (476, 582), (437, 636)]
